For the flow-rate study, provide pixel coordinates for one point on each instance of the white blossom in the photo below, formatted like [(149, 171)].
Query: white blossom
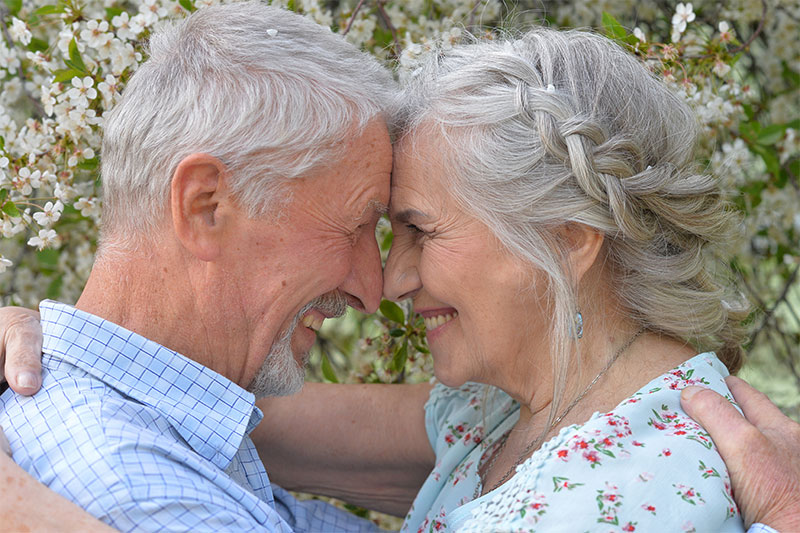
[(725, 33), (151, 12), (127, 29), (721, 68), (4, 263), (639, 34), (26, 181), (50, 213), (683, 15), (19, 32), (96, 34), (45, 238), (82, 91)]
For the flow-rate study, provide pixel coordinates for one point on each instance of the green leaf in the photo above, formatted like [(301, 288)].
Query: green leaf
[(47, 257), (65, 75), (397, 332), (790, 75), (188, 5), (771, 134), (421, 349), (10, 209), (89, 164), (769, 156), (112, 12), (38, 45), (392, 311), (400, 357), (613, 28), (13, 6), (3, 195), (75, 60), (49, 10), (387, 242), (327, 370), (54, 289)]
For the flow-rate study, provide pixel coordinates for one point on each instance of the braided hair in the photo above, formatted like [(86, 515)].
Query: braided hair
[(555, 127)]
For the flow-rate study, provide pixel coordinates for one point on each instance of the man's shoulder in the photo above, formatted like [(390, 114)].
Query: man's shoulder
[(117, 457), (80, 419)]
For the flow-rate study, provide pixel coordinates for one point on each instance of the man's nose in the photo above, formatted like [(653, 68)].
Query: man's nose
[(365, 281), (401, 278)]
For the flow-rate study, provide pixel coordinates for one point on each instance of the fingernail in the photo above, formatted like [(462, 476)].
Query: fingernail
[(688, 392), (27, 380)]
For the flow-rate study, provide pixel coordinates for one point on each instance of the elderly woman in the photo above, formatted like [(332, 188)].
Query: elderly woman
[(551, 229)]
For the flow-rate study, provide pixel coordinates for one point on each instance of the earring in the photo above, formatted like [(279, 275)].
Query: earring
[(578, 325)]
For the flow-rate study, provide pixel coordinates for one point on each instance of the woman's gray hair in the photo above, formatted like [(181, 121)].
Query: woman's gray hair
[(267, 91), (565, 126)]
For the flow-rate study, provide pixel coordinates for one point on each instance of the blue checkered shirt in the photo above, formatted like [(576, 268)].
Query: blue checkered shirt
[(148, 440)]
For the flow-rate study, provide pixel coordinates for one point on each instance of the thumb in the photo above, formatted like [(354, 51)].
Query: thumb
[(719, 418), (21, 335)]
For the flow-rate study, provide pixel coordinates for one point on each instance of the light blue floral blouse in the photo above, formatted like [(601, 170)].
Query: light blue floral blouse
[(644, 466)]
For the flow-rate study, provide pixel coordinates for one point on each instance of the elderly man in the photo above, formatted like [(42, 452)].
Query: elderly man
[(244, 172)]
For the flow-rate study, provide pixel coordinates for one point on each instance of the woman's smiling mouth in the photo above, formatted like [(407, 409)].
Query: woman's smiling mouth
[(437, 318)]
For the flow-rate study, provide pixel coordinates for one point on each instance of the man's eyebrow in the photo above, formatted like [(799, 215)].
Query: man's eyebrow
[(378, 207), (408, 214)]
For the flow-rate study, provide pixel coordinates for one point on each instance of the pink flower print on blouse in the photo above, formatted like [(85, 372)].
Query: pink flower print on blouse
[(678, 379), (563, 483), (600, 444), (707, 471), (532, 506), (728, 493), (464, 434), (679, 426), (609, 500), (650, 508), (461, 472), (438, 523), (689, 495)]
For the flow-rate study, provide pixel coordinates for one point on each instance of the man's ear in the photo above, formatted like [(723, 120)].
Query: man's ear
[(583, 246), (199, 184)]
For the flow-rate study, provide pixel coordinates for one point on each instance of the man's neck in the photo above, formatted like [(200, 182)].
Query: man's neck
[(154, 301)]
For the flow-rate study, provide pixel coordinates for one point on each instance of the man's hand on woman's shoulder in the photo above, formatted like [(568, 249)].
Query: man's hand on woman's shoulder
[(21, 349), (762, 452)]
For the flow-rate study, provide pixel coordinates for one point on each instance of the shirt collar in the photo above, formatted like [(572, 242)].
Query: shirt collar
[(210, 412)]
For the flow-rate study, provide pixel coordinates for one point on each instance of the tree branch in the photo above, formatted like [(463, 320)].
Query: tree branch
[(386, 20), (353, 17)]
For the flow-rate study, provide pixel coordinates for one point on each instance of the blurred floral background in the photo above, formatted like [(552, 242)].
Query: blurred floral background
[(64, 63)]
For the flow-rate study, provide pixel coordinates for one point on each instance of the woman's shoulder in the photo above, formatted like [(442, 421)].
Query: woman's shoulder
[(645, 465)]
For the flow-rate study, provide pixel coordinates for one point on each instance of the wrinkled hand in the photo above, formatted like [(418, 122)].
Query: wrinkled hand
[(21, 349), (762, 452)]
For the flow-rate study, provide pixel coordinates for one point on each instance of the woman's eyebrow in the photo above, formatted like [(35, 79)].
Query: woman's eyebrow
[(408, 214)]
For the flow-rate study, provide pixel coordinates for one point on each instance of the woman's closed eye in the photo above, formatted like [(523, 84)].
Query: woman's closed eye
[(417, 232)]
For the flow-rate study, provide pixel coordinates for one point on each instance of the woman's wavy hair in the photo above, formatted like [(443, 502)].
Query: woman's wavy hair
[(556, 127)]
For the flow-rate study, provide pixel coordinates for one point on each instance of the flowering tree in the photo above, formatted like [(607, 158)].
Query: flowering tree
[(64, 63)]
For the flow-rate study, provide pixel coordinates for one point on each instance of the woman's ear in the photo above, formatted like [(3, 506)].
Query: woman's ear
[(198, 186), (583, 247)]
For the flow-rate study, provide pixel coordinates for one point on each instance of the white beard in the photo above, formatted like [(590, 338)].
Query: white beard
[(280, 374)]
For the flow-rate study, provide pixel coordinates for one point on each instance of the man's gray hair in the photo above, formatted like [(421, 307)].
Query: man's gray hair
[(268, 92)]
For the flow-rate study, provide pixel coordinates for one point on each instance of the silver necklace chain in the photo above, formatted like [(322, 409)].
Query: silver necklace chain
[(537, 442)]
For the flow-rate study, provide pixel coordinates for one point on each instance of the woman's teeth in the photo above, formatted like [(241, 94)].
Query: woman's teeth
[(310, 321), (436, 321)]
